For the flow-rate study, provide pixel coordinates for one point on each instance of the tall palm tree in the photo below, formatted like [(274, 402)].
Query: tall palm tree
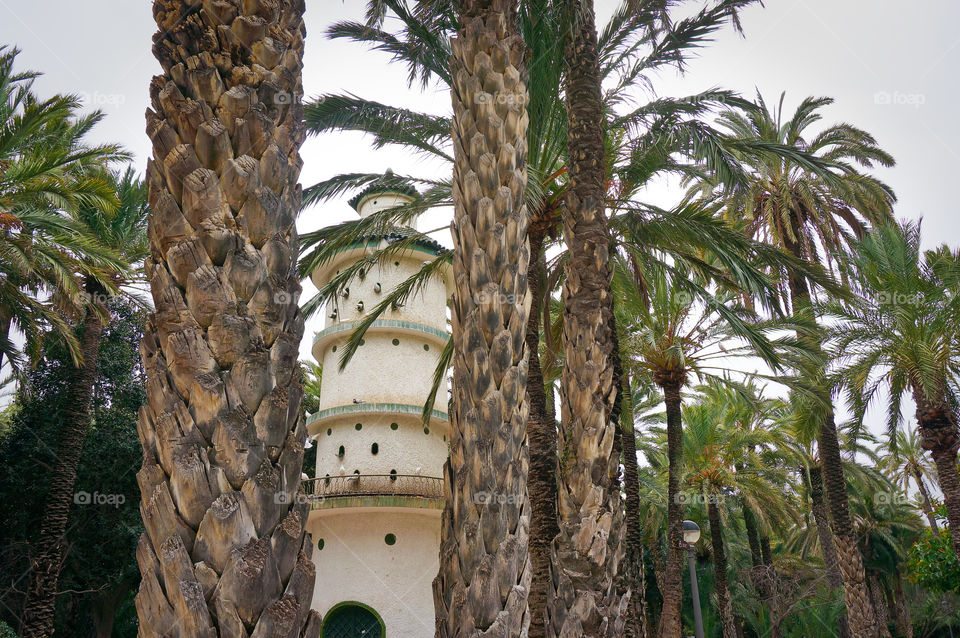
[(588, 547), (225, 551), (484, 566), (900, 333), (123, 231), (673, 336), (808, 209), (905, 462), (721, 465), (757, 422), (46, 167)]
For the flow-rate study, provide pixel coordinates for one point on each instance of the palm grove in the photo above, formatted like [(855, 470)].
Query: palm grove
[(721, 340)]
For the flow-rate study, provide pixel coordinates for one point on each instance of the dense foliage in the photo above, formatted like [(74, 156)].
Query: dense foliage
[(99, 574)]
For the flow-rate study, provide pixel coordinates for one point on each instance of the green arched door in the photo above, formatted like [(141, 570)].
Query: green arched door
[(352, 620)]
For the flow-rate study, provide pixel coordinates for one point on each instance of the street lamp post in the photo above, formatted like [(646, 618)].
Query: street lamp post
[(691, 534)]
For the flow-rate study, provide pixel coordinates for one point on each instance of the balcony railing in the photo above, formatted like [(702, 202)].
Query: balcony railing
[(375, 485)]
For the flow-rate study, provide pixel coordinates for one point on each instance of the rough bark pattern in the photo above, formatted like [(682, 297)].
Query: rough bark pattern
[(878, 596), (828, 548), (940, 437), (635, 622), (672, 581), (901, 612), (485, 571), (47, 558), (588, 548), (542, 439), (225, 551), (763, 574), (927, 505), (753, 536), (721, 587), (860, 612)]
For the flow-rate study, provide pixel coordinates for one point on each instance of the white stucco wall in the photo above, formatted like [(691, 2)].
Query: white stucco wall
[(405, 449), (356, 564), (381, 201), (427, 306), (381, 372)]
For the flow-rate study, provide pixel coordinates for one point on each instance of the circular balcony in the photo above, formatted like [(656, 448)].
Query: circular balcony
[(317, 419), (323, 339), (375, 490)]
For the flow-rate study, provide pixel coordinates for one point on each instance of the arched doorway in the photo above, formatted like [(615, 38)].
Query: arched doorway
[(352, 620)]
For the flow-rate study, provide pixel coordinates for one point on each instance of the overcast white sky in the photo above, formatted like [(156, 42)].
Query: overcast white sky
[(891, 66)]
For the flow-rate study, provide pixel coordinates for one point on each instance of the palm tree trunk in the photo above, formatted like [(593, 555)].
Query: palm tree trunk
[(5, 322), (860, 613), (764, 576), (635, 623), (672, 582), (828, 548), (589, 547), (927, 504), (484, 576), (225, 551), (542, 439), (878, 597), (724, 606), (901, 612), (753, 536), (939, 436), (47, 558)]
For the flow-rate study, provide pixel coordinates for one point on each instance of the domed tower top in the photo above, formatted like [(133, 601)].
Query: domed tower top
[(387, 192)]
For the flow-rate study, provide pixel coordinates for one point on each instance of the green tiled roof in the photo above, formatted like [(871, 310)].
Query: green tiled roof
[(389, 183)]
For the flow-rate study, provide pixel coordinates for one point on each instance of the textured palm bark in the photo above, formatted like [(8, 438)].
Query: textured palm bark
[(47, 555), (878, 596), (828, 548), (635, 622), (763, 572), (721, 587), (926, 504), (860, 613), (485, 570), (940, 437), (901, 612), (542, 439), (753, 537), (589, 547), (672, 582), (225, 551)]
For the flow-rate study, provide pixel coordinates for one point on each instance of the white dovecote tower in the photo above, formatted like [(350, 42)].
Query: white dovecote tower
[(378, 491)]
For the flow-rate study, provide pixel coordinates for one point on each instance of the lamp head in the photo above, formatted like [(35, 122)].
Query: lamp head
[(691, 532)]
